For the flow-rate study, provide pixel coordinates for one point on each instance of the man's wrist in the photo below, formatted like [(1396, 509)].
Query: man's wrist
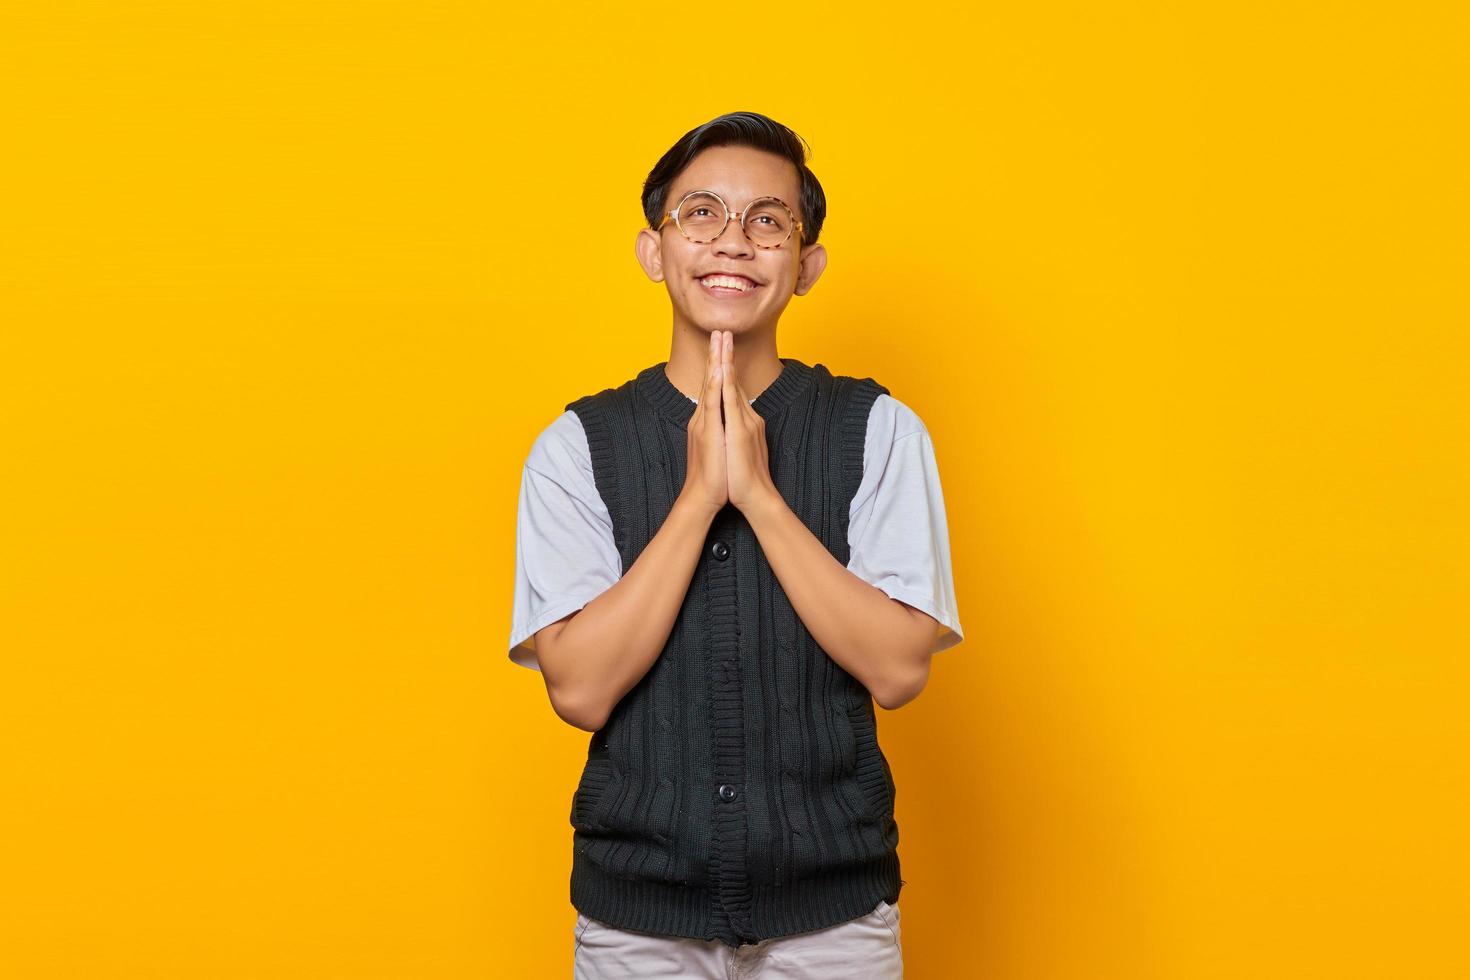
[(767, 505), (696, 509)]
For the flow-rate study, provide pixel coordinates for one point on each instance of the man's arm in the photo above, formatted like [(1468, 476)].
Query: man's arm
[(594, 656), (884, 643)]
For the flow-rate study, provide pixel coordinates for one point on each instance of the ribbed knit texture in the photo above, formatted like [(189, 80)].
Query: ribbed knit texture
[(741, 696)]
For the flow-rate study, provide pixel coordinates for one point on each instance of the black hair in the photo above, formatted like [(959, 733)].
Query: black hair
[(738, 129)]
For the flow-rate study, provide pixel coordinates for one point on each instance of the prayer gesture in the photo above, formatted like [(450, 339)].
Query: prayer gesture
[(727, 456), (747, 469)]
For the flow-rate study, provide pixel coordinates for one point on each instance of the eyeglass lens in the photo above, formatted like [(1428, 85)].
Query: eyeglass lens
[(768, 222)]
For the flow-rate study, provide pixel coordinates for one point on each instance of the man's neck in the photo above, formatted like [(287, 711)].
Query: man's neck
[(756, 364)]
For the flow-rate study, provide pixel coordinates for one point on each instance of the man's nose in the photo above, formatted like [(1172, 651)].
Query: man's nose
[(732, 240)]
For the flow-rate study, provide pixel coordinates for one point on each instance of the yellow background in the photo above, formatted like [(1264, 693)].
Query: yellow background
[(1179, 290)]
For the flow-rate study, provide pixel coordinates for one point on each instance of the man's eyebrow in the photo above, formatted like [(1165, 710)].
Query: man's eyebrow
[(676, 198)]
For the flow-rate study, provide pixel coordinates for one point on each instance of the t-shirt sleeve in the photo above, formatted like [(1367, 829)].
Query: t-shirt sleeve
[(566, 555), (898, 534)]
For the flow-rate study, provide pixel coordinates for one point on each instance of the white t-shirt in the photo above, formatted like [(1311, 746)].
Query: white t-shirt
[(897, 534)]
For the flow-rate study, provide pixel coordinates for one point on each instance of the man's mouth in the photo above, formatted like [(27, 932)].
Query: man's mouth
[(724, 285)]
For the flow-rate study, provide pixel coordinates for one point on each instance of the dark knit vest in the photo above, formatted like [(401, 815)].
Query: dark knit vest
[(737, 792)]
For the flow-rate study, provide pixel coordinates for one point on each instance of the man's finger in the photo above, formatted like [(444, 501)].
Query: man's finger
[(727, 375), (712, 375)]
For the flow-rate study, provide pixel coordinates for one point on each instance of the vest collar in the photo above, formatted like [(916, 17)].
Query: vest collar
[(676, 406)]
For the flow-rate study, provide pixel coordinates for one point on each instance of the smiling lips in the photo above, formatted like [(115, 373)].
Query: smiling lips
[(719, 284)]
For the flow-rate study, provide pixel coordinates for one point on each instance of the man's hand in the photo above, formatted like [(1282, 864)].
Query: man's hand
[(704, 477), (746, 464)]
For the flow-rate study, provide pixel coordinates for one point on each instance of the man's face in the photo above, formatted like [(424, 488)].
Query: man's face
[(739, 174)]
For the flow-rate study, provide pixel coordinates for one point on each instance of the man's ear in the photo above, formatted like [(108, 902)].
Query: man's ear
[(650, 250), (813, 261)]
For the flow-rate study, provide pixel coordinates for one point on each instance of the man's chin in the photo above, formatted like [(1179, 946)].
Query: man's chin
[(708, 323)]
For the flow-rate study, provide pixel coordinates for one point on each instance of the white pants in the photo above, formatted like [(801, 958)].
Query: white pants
[(865, 948)]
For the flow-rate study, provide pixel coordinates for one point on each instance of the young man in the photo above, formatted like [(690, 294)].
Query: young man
[(722, 563)]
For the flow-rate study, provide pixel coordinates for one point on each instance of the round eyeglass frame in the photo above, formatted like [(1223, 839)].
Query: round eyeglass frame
[(795, 221)]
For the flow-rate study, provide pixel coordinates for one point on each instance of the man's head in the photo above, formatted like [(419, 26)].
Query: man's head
[(741, 157)]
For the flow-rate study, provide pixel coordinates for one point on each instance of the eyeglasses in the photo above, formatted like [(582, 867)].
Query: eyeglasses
[(703, 216)]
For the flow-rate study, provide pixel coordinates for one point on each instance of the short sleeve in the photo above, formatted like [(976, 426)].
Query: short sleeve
[(898, 534), (566, 555)]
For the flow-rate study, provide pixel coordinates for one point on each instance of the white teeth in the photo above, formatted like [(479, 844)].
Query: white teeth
[(730, 281)]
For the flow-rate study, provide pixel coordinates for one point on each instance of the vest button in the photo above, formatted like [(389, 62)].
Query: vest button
[(720, 550), (727, 792)]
